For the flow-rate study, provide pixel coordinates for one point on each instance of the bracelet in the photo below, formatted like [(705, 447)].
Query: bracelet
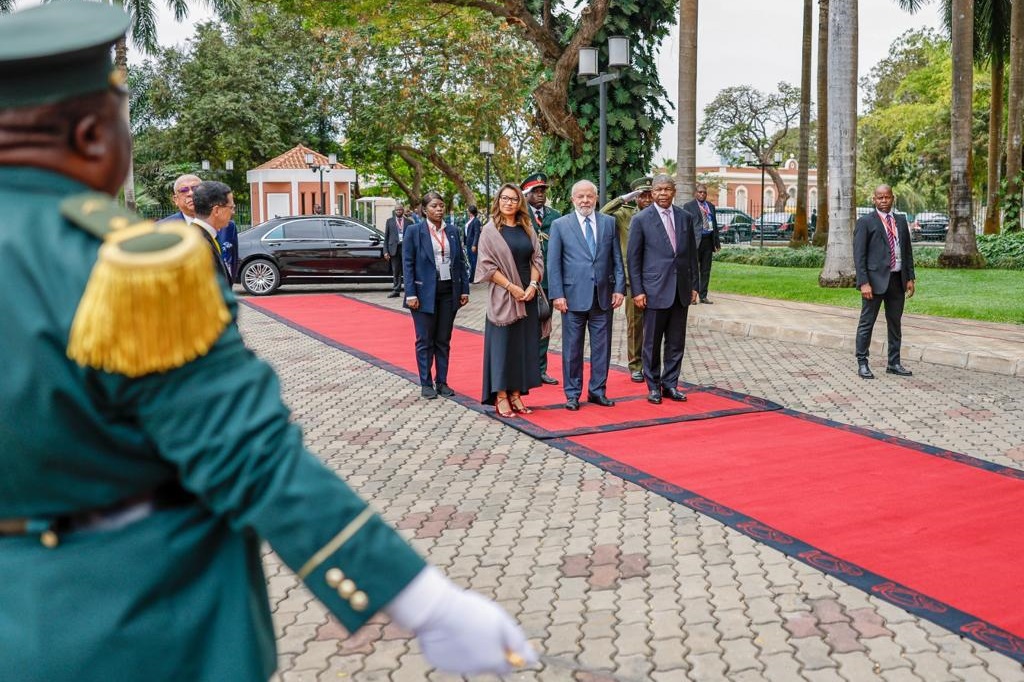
[(533, 282), (508, 285), (531, 285)]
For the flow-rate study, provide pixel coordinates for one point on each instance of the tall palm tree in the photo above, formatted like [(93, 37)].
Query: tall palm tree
[(142, 30), (842, 144), (687, 132), (803, 155), (1014, 110), (821, 229)]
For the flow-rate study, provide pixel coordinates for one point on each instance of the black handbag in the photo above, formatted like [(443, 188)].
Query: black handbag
[(543, 306)]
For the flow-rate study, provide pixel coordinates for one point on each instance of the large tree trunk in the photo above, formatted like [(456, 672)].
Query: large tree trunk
[(821, 228), (121, 63), (804, 153), (686, 158), (995, 145), (1014, 110), (961, 245), (781, 196), (842, 144)]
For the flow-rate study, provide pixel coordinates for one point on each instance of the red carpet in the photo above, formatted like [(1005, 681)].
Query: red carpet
[(935, 532)]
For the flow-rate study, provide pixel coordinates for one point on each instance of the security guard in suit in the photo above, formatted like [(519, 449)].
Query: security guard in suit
[(535, 187), (131, 519)]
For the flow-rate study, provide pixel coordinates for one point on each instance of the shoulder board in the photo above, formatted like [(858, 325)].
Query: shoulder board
[(98, 214)]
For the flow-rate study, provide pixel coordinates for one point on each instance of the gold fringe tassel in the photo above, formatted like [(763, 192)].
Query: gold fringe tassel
[(149, 310)]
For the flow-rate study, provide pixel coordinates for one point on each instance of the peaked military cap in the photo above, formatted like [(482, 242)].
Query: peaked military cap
[(535, 180), (641, 184), (56, 51)]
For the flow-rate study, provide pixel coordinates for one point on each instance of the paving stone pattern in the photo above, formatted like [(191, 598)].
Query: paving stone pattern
[(612, 582)]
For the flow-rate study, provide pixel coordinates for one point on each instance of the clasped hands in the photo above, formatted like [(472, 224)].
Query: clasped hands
[(521, 294)]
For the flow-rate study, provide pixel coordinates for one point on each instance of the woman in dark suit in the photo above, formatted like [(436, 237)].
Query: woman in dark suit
[(510, 260), (436, 286)]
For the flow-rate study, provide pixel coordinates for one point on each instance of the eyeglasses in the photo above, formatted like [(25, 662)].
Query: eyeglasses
[(187, 189), (228, 206), (509, 200)]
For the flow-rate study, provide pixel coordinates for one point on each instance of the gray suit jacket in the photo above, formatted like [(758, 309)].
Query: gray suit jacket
[(654, 269), (871, 252), (575, 275), (392, 240)]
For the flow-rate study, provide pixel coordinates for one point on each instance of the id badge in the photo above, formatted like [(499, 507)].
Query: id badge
[(445, 270)]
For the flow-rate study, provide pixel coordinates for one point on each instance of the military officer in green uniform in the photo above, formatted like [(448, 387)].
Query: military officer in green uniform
[(623, 209), (131, 518), (535, 187)]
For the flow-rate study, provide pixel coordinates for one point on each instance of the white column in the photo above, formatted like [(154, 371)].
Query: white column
[(295, 198)]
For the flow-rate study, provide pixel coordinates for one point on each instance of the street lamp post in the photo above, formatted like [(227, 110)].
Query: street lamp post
[(321, 169), (229, 166), (487, 149), (756, 162), (618, 57)]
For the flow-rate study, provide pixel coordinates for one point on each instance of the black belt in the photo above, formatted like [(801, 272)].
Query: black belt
[(120, 513)]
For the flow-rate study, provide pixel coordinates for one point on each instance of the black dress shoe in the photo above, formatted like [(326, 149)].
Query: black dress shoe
[(572, 404), (704, 300), (898, 370), (428, 392), (549, 380), (654, 397), (864, 372), (637, 377), (600, 400), (444, 390), (393, 294), (673, 394)]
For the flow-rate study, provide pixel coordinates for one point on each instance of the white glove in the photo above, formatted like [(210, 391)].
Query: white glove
[(459, 631), (631, 196)]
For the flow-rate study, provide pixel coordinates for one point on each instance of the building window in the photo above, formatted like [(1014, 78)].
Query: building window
[(741, 198)]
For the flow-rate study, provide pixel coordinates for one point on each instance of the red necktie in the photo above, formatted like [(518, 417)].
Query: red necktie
[(890, 232)]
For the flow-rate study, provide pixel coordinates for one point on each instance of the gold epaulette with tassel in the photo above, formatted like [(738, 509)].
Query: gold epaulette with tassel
[(152, 302)]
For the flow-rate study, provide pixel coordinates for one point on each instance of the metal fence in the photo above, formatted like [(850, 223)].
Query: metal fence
[(243, 214)]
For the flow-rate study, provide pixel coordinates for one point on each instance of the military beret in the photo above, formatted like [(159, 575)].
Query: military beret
[(535, 180), (641, 184), (56, 51)]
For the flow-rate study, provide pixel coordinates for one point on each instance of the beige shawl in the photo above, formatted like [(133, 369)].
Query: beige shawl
[(493, 255)]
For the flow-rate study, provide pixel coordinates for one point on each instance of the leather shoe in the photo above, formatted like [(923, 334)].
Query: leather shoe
[(549, 380), (673, 394), (864, 372), (428, 392), (393, 294), (654, 397), (704, 300), (637, 377), (572, 404), (444, 390), (600, 400), (898, 370)]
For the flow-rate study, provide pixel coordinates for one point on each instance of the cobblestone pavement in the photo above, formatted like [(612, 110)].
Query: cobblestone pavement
[(610, 581)]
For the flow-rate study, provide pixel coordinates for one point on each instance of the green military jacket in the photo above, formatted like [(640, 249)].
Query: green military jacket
[(180, 594), (623, 214), (543, 234)]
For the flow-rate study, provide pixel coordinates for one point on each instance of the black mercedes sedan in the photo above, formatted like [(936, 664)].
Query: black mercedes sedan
[(310, 250)]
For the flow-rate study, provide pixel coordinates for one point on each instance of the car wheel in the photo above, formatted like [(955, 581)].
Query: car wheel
[(260, 277)]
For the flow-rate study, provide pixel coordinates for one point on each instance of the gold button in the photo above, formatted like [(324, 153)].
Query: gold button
[(49, 539), (118, 223), (359, 601), (346, 588), (334, 576)]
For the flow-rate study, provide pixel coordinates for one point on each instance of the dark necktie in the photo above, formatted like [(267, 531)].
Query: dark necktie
[(588, 227)]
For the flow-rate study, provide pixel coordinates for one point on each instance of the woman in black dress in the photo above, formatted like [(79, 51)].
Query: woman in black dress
[(509, 257)]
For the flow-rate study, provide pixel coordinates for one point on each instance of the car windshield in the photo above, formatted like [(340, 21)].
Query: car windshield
[(774, 218), (932, 217)]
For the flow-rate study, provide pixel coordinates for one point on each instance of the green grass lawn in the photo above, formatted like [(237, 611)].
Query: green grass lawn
[(991, 295)]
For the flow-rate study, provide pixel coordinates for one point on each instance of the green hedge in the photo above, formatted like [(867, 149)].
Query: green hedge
[(1002, 252)]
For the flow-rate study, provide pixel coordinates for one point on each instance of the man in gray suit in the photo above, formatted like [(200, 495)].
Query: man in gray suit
[(884, 260), (664, 279), (394, 231), (586, 281)]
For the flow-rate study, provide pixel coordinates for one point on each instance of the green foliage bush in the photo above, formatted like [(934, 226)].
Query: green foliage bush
[(1001, 251)]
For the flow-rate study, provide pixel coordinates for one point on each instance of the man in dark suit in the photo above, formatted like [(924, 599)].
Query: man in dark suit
[(663, 276), (227, 238), (587, 281), (472, 239), (884, 260), (706, 235), (214, 204), (394, 231), (535, 187)]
